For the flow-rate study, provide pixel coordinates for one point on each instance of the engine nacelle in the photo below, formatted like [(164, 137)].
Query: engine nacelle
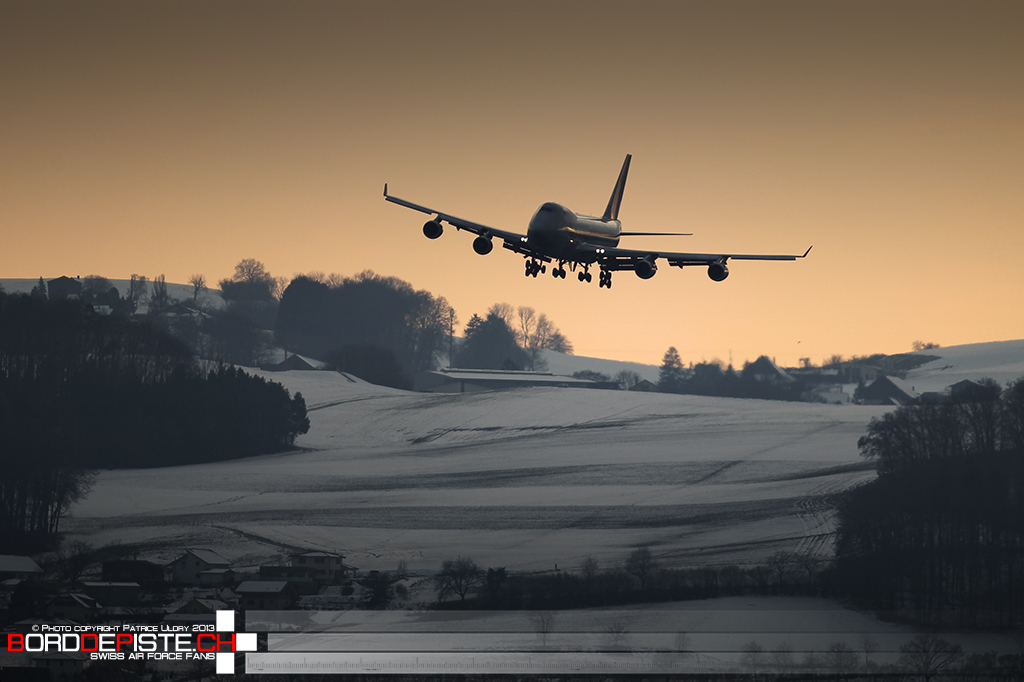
[(482, 245), (432, 229), (718, 271), (645, 269)]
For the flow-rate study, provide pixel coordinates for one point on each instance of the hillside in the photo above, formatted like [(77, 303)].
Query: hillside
[(999, 360), (524, 479)]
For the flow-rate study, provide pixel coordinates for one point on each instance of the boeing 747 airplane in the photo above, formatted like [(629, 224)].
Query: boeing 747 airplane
[(556, 234)]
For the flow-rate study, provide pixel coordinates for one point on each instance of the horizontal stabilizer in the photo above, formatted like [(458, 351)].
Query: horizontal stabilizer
[(656, 234)]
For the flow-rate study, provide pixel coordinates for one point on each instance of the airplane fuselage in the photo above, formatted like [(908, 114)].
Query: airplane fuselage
[(562, 234)]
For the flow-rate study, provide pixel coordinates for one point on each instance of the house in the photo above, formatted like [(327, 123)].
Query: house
[(266, 595), (75, 606), (645, 386), (295, 362), (113, 594), (15, 567), (330, 568), (197, 611), (856, 372), (63, 288), (188, 568), (886, 391), (472, 380), (217, 577), (302, 578), (765, 371), (132, 571)]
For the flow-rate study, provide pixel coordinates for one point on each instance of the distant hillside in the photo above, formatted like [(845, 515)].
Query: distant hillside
[(560, 363), (999, 360), (182, 292)]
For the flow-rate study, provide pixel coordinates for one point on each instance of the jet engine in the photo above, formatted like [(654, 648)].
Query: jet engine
[(432, 229), (645, 269), (482, 245), (718, 271)]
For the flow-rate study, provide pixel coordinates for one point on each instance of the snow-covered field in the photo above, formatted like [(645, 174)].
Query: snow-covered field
[(999, 360), (525, 479)]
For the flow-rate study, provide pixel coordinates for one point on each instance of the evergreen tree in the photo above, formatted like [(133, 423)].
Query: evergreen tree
[(670, 376), (490, 344), (39, 290)]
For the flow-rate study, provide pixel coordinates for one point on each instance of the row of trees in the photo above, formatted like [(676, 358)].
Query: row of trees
[(510, 339), (640, 577), (340, 319), (79, 391), (941, 530), (709, 378)]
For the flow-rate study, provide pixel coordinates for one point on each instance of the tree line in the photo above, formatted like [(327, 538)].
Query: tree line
[(711, 379), (80, 391), (940, 532)]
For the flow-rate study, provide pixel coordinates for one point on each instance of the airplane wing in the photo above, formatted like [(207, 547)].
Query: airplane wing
[(626, 259), (513, 240)]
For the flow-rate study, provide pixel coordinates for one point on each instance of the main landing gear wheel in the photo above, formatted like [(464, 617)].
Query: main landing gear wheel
[(585, 276), (558, 272), (533, 267), (606, 279)]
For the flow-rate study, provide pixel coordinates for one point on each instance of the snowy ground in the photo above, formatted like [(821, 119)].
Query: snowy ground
[(525, 479), (696, 636)]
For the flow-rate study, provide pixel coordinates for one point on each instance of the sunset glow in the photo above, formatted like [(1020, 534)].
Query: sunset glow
[(179, 138)]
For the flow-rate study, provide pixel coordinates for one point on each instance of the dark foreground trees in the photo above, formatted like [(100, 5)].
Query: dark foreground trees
[(80, 391), (940, 532)]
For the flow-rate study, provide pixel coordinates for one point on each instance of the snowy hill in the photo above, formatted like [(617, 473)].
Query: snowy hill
[(999, 360), (525, 479)]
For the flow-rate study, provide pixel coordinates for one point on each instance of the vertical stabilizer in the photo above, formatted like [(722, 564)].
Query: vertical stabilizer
[(612, 212)]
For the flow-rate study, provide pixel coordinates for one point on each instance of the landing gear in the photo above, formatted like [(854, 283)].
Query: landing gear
[(605, 279), (533, 267), (559, 272), (584, 276)]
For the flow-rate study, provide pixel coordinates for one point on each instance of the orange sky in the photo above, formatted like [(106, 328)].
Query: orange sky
[(181, 137)]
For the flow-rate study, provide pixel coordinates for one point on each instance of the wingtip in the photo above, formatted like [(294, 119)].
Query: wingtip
[(807, 251), (385, 189)]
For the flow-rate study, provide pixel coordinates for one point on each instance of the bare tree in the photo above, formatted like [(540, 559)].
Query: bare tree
[(928, 655), (251, 270), (781, 563), (505, 312), (642, 564), (618, 631), (869, 645), (527, 323), (782, 657), (682, 645), (543, 623), (95, 285), (73, 558), (457, 576), (627, 379), (839, 657), (160, 300), (138, 290), (198, 283), (753, 656)]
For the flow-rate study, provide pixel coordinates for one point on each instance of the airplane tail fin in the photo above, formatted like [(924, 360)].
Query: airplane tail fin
[(612, 212)]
